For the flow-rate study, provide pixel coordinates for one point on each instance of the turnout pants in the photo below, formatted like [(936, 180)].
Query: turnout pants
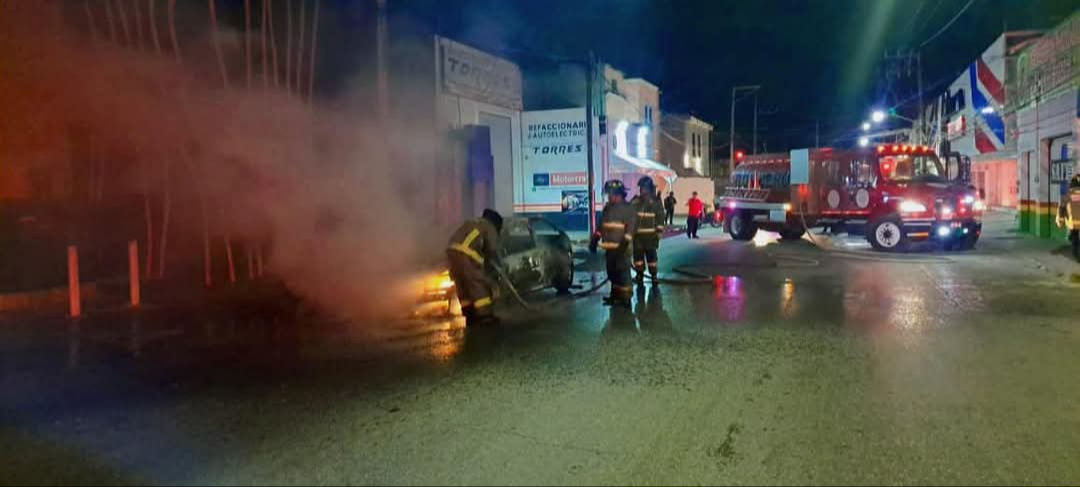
[(618, 270), (645, 254), (473, 287)]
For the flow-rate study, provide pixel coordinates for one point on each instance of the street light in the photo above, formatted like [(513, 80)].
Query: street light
[(878, 116), (864, 141), (866, 126)]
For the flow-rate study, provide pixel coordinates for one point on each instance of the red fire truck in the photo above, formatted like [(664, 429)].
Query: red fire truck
[(893, 194)]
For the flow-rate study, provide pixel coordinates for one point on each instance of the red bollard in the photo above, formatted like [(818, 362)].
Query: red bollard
[(133, 274), (74, 293)]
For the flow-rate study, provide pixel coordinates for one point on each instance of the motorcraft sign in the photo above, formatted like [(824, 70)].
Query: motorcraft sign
[(479, 76), (554, 159)]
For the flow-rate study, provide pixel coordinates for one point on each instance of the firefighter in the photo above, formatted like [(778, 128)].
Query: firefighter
[(473, 249), (1069, 214), (650, 227), (615, 235)]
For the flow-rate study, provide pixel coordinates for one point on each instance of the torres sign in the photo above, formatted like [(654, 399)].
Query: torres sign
[(479, 76)]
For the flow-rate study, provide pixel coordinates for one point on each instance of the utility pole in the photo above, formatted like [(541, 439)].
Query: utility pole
[(591, 179), (755, 124), (922, 122), (731, 142), (382, 36)]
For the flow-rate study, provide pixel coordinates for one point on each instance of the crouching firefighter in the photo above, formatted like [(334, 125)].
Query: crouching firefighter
[(618, 224), (651, 215), (473, 250), (1069, 214)]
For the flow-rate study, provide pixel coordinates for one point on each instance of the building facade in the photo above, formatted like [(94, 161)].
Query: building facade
[(977, 125), (1044, 98), (686, 144), (634, 100), (478, 109)]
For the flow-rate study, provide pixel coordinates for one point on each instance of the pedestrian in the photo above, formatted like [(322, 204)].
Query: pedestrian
[(472, 252), (669, 208), (693, 219), (1069, 214), (650, 227), (618, 224)]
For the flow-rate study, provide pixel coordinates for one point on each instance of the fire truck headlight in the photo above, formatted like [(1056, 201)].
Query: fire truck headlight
[(912, 207), (969, 199), (943, 231)]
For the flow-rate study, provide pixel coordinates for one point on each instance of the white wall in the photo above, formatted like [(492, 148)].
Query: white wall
[(684, 187), (1036, 124), (457, 112)]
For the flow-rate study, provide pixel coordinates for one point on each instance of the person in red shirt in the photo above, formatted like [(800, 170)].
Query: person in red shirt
[(693, 219)]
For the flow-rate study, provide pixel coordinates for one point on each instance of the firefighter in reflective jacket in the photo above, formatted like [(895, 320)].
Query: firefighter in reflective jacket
[(1069, 214), (472, 247), (650, 227), (618, 224)]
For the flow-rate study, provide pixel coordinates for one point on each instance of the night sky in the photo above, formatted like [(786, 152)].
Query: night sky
[(817, 60)]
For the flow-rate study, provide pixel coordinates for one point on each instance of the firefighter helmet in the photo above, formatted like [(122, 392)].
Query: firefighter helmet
[(646, 185), (495, 218), (615, 186)]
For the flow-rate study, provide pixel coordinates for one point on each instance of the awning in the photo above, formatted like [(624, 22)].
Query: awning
[(622, 163)]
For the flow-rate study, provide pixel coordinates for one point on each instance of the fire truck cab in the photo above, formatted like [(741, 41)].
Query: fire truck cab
[(892, 194)]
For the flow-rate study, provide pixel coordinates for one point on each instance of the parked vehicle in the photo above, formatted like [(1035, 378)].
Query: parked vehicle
[(892, 194), (537, 254)]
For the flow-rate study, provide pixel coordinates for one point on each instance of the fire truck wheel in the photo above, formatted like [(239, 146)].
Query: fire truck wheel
[(792, 234), (886, 234), (741, 227)]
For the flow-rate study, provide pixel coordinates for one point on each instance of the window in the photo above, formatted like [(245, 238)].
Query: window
[(517, 236), (908, 168), (648, 116), (863, 173)]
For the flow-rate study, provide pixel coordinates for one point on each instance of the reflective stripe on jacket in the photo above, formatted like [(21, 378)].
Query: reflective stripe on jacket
[(477, 239), (618, 224)]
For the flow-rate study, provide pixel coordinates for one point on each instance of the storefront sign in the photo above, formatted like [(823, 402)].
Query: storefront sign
[(1050, 62), (1062, 171), (554, 160), (479, 76)]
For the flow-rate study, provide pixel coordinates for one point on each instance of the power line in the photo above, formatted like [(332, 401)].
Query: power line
[(947, 25)]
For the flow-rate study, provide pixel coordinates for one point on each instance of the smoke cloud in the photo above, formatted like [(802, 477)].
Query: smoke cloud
[(316, 186)]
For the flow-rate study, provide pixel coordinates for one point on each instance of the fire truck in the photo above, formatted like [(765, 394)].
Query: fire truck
[(892, 194)]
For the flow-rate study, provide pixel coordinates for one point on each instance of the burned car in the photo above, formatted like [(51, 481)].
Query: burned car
[(537, 254)]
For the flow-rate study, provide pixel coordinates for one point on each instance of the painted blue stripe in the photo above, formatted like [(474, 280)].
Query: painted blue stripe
[(979, 101)]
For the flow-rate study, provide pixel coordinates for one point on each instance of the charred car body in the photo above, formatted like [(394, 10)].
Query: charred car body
[(535, 255)]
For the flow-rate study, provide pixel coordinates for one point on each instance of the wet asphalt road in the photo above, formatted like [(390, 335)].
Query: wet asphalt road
[(794, 366)]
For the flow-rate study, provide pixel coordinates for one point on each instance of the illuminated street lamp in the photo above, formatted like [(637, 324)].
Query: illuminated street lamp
[(866, 126), (864, 141), (878, 116)]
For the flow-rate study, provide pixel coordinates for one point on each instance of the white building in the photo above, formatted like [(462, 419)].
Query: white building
[(476, 93), (976, 124), (1045, 97), (685, 144), (634, 100)]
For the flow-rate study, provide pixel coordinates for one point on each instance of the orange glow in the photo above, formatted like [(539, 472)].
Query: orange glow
[(896, 148), (880, 149)]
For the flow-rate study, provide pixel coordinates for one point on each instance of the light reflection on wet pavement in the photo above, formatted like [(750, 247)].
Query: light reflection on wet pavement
[(792, 366)]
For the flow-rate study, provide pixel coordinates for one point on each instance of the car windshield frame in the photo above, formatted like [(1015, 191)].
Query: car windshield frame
[(920, 171)]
